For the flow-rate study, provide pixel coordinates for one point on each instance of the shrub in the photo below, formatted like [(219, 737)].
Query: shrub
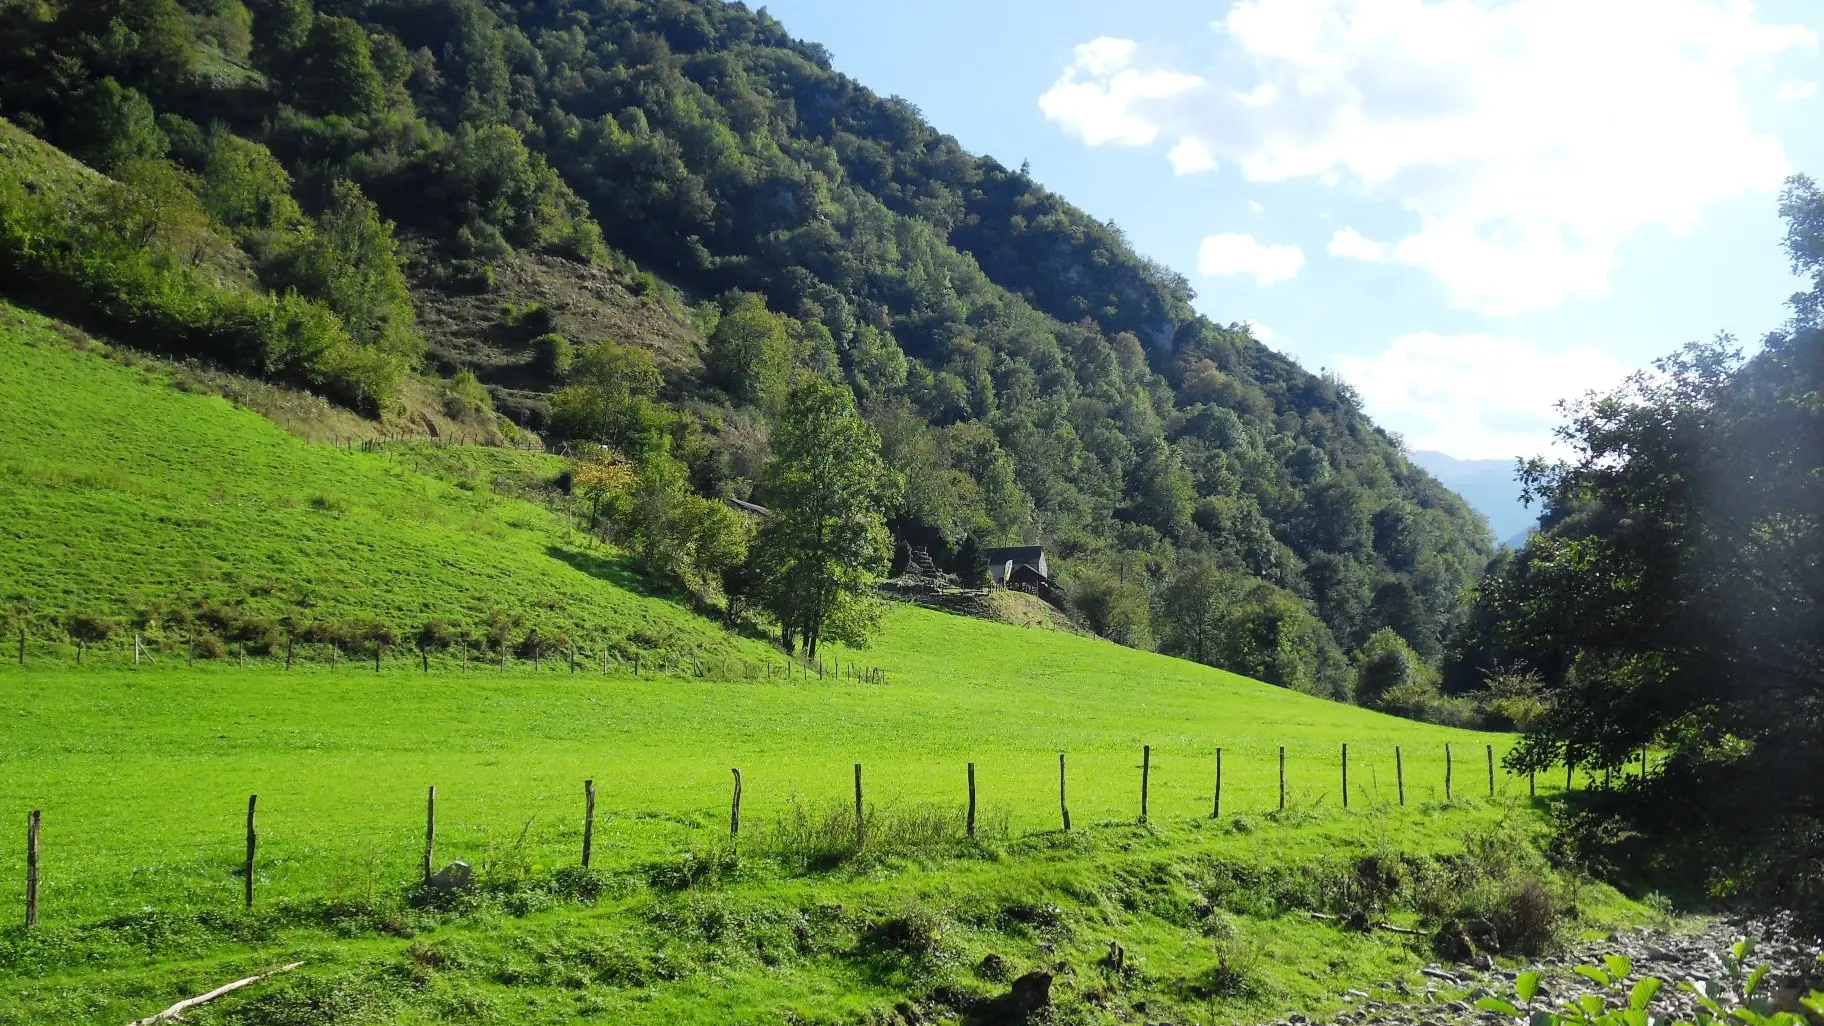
[(464, 396), (90, 629), (552, 355), (435, 636)]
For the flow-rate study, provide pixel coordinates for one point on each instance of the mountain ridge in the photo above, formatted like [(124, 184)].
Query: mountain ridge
[(1491, 487)]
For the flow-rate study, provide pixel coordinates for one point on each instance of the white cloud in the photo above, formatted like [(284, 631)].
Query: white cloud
[(1255, 207), (1793, 92), (1475, 396), (1350, 244), (1190, 156), (1232, 253), (1524, 138), (1264, 335), (1097, 96)]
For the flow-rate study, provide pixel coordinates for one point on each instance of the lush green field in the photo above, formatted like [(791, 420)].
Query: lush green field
[(125, 497), (143, 779), (146, 775)]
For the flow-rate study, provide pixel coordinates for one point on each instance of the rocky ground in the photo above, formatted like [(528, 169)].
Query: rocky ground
[(1448, 994)]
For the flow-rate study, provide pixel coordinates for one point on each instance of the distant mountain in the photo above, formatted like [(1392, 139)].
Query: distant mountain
[(1490, 487)]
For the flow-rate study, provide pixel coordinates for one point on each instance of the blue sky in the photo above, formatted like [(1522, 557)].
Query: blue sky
[(1469, 208)]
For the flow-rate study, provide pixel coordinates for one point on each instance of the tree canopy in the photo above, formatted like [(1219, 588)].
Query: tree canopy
[(1673, 601)]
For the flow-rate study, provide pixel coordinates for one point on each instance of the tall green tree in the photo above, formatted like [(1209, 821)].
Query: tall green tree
[(826, 538), (244, 185), (334, 71), (611, 398), (351, 262), (1676, 601), (1193, 608)]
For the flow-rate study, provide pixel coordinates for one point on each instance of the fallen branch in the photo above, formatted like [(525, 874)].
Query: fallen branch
[(176, 1012), (1389, 927)]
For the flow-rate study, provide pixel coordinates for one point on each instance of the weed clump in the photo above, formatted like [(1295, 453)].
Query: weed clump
[(806, 840)]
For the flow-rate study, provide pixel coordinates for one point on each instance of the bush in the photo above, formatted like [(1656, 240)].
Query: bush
[(551, 355), (91, 629), (465, 397)]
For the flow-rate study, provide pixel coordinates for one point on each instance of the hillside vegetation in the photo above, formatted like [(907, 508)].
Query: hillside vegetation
[(547, 199), (178, 515)]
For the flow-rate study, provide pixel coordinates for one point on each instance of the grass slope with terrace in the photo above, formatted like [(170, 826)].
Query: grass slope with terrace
[(117, 491), (124, 498)]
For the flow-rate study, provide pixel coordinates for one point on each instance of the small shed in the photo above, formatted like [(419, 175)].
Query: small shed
[(1003, 561)]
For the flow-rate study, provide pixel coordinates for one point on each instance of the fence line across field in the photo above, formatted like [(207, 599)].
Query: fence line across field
[(136, 653), (35, 855)]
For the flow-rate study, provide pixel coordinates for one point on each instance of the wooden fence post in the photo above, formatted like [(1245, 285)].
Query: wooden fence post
[(1569, 769), (859, 837), (971, 820), (734, 811), (1146, 772), (33, 823), (1063, 803), (22, 646), (1345, 774), (136, 651), (430, 832), (378, 648), (253, 837), (288, 644), (1282, 778), (1399, 774), (79, 652), (1532, 782), (1643, 764), (1491, 770), (588, 821), (1216, 808), (1447, 770)]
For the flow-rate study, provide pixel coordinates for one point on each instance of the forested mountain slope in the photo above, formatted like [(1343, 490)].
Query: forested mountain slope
[(667, 209)]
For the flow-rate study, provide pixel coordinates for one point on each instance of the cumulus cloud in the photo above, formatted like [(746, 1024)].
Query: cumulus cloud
[(1523, 138), (1099, 97), (1232, 253), (1190, 156), (1352, 245), (1475, 396)]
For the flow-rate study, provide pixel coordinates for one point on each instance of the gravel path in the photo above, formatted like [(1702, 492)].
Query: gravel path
[(1448, 995)]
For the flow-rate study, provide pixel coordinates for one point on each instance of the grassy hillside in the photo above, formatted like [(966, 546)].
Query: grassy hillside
[(124, 496), (494, 191)]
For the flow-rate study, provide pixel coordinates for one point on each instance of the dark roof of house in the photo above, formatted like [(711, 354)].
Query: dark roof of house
[(1017, 553), (749, 508)]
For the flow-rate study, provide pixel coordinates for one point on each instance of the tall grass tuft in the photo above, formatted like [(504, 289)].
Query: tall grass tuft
[(808, 839)]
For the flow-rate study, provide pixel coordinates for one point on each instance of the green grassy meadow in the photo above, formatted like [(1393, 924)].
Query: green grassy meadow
[(122, 495), (145, 776), (143, 779)]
